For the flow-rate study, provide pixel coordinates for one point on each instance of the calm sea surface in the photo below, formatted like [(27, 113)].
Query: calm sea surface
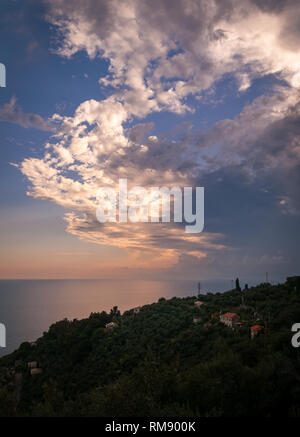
[(29, 307)]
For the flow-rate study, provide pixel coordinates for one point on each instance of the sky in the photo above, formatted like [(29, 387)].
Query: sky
[(162, 93)]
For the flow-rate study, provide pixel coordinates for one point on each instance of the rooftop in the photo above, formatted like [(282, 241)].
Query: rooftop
[(257, 328), (230, 315)]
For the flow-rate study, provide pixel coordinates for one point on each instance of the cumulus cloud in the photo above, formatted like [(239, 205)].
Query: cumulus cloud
[(11, 112), (93, 150), (160, 53)]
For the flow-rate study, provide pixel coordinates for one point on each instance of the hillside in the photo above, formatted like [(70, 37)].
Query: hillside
[(170, 358)]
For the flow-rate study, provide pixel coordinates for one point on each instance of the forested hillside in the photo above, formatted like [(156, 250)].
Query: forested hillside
[(170, 358)]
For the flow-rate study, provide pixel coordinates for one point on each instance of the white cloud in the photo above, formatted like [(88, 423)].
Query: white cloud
[(91, 151), (162, 51), (159, 53)]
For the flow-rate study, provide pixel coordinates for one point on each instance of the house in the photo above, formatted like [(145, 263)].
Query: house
[(32, 364), (230, 319), (215, 316), (199, 303), (36, 371), (136, 310), (196, 319), (111, 326), (256, 329)]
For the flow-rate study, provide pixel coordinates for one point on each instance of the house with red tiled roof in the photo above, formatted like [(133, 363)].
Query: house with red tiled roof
[(256, 329), (230, 319)]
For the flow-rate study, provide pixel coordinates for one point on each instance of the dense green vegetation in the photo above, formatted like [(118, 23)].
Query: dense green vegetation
[(161, 362)]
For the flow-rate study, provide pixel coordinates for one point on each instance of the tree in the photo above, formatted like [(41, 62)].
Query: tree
[(7, 402), (237, 284), (114, 312)]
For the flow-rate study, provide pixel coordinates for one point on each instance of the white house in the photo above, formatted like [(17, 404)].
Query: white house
[(136, 310), (199, 303), (111, 326), (230, 319)]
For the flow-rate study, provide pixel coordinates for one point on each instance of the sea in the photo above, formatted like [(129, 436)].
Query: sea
[(29, 307)]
